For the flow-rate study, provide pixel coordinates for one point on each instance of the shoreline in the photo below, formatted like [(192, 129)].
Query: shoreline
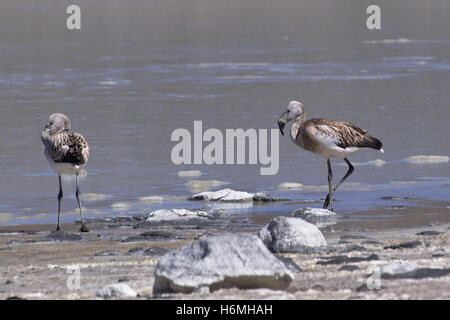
[(116, 252)]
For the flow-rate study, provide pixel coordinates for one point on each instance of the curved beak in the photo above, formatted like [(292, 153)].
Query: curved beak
[(282, 122)]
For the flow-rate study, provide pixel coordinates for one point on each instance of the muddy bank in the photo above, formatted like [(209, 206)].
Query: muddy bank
[(387, 263)]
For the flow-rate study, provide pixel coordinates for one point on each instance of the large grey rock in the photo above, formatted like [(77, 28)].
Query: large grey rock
[(230, 260), (117, 290), (229, 195), (285, 234)]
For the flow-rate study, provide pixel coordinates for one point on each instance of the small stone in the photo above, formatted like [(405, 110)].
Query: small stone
[(371, 242), (348, 268), (285, 234), (174, 214), (397, 268), (137, 251), (164, 235), (153, 236), (264, 197), (321, 218), (353, 247), (117, 290), (405, 245), (429, 233), (410, 270), (155, 251), (146, 292), (312, 213), (107, 253), (229, 195), (224, 195)]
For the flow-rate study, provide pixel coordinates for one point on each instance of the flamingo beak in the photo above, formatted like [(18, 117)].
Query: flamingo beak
[(282, 122)]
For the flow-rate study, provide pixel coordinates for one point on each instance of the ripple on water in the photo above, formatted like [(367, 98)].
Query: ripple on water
[(427, 159)]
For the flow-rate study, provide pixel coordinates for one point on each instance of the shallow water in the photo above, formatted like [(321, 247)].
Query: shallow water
[(136, 72)]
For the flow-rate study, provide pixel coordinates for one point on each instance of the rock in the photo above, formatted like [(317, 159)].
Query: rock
[(146, 292), (348, 268), (405, 245), (319, 217), (156, 251), (262, 196), (429, 233), (160, 235), (312, 213), (224, 261), (371, 242), (153, 236), (153, 251), (107, 253), (117, 290), (229, 195), (176, 214), (123, 279), (410, 270), (223, 195), (398, 268), (62, 236), (137, 251), (345, 259), (178, 217), (285, 234), (191, 219)]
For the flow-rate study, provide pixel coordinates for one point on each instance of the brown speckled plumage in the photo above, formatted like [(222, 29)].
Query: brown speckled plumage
[(328, 138), (68, 146), (67, 153), (345, 134)]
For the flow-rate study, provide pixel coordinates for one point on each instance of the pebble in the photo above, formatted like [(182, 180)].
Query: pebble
[(117, 290)]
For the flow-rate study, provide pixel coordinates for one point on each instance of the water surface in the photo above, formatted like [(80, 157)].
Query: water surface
[(140, 69)]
